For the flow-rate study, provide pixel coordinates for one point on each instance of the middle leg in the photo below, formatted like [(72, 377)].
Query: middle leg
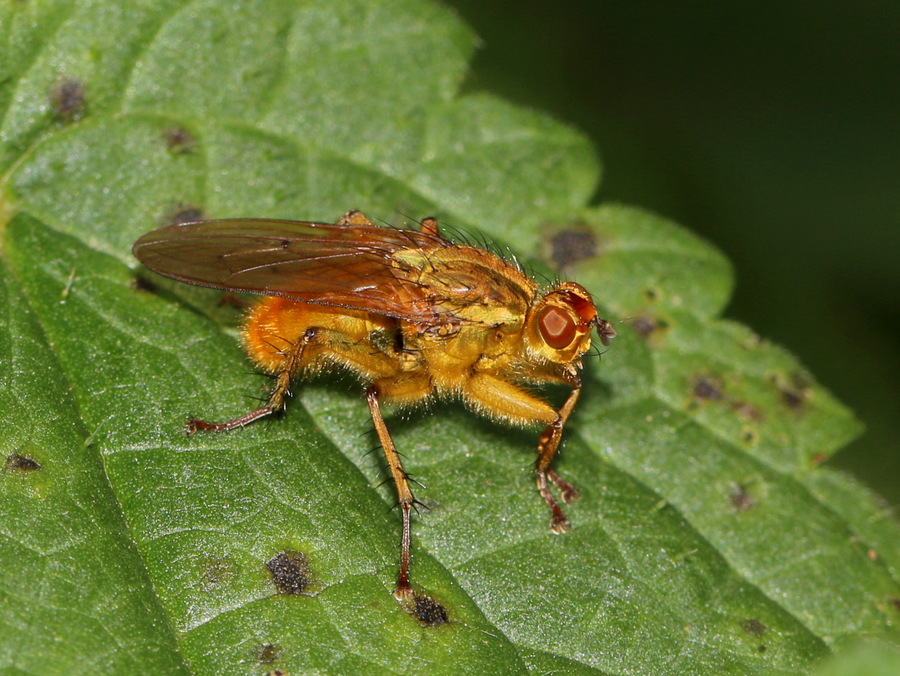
[(403, 388)]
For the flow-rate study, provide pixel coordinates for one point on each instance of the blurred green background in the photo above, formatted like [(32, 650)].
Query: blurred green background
[(770, 128)]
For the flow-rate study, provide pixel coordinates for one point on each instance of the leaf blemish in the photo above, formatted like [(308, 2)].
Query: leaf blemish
[(747, 411), (179, 140), (749, 436), (754, 627), (68, 100), (571, 245), (184, 213), (795, 390), (267, 653), (21, 464), (741, 498), (290, 572), (648, 325), (708, 388), (428, 612), (216, 570), (652, 294)]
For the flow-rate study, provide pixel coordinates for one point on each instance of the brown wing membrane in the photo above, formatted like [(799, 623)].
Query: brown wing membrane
[(345, 266)]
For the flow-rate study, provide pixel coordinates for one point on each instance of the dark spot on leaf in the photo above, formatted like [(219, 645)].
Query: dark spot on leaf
[(747, 411), (652, 294), (792, 398), (184, 213), (647, 326), (754, 627), (644, 325), (68, 101), (179, 140), (741, 499), (896, 603), (761, 649), (143, 284), (267, 653), (707, 387), (795, 390), (21, 464), (749, 436), (290, 572), (429, 612), (571, 245), (217, 570)]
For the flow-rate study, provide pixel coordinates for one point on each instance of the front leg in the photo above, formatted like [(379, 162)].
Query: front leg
[(548, 444), (500, 398)]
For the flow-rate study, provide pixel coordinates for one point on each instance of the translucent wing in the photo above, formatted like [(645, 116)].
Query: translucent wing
[(350, 266)]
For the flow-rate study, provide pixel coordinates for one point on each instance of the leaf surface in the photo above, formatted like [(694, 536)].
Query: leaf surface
[(707, 538)]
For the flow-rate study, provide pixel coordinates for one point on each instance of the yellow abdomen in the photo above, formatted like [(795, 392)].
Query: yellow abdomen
[(275, 325)]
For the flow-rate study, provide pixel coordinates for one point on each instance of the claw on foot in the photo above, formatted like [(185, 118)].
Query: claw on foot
[(559, 525), (403, 593)]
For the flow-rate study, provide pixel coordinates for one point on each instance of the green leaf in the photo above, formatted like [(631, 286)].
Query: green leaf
[(707, 538), (870, 656), (73, 586)]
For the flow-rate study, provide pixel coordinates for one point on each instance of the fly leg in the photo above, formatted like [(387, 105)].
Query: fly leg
[(398, 389), (522, 408), (276, 399), (548, 444)]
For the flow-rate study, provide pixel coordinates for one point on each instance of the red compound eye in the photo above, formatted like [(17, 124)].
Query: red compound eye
[(557, 327)]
